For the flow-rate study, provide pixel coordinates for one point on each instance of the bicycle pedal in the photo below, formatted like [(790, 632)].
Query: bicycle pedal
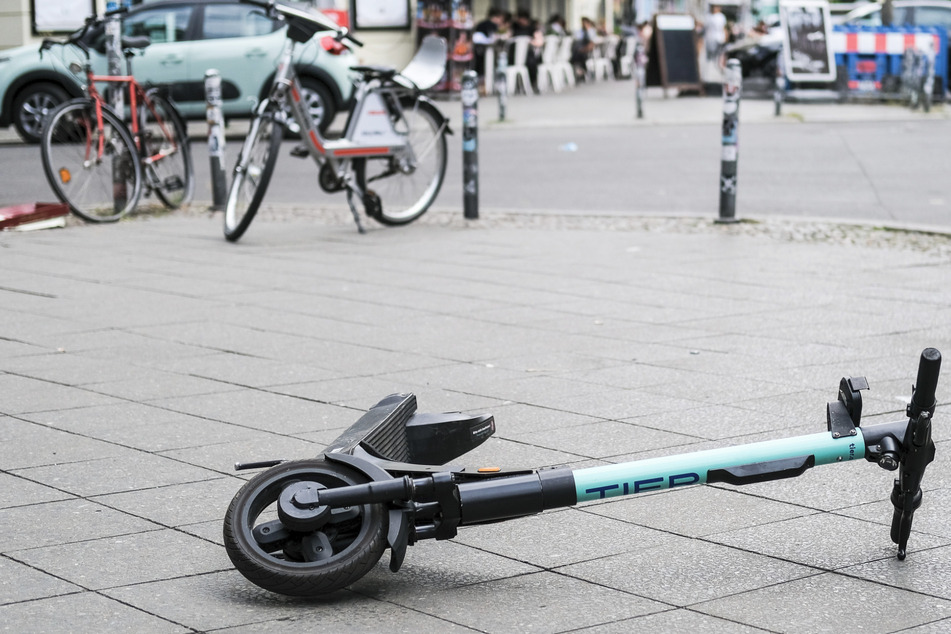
[(372, 204), (173, 183), (300, 151)]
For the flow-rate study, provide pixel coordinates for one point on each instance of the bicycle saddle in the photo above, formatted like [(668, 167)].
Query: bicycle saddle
[(375, 72), (135, 41)]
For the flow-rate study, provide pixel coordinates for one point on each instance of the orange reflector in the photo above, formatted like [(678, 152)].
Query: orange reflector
[(64, 175), (489, 469)]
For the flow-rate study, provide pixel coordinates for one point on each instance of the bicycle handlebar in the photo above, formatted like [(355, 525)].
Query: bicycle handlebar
[(272, 8), (75, 38)]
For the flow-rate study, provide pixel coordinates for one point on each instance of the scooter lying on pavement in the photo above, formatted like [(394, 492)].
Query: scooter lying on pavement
[(311, 527)]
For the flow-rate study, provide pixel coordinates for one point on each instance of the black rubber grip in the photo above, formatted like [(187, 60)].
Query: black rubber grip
[(927, 382)]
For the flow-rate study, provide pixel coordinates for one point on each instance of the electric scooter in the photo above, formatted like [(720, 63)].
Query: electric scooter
[(310, 527)]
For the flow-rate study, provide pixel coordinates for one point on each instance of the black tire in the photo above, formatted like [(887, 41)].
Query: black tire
[(31, 107), (96, 189), (166, 154), (252, 173), (357, 542), (407, 186)]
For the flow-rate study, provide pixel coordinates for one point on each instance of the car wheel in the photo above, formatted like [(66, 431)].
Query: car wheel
[(31, 107), (318, 101)]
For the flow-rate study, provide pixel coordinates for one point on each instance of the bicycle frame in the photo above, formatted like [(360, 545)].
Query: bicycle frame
[(369, 130), (394, 449)]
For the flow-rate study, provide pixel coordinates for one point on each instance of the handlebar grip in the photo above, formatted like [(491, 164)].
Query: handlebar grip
[(923, 398)]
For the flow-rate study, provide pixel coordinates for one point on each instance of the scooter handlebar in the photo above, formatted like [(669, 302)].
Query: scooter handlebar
[(923, 398)]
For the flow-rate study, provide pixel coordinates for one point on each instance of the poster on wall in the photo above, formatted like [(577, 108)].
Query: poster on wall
[(807, 53), (380, 14), (60, 16)]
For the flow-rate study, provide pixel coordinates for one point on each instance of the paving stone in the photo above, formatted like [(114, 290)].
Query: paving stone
[(257, 409), (48, 524), (80, 613), (570, 536), (23, 583), (126, 471), (830, 599), (128, 559), (679, 620), (22, 394), (26, 444), (602, 439), (15, 491), (684, 572), (177, 504), (816, 540), (229, 600), (541, 602), (924, 571), (697, 511)]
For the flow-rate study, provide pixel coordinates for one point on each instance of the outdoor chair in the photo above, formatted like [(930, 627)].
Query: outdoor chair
[(550, 76), (517, 70)]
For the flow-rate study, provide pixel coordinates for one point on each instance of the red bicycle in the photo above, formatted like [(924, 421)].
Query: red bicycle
[(98, 161)]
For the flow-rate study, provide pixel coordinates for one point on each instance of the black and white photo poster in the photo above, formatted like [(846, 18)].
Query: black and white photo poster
[(807, 53)]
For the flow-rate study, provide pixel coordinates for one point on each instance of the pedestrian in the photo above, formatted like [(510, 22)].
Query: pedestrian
[(714, 33)]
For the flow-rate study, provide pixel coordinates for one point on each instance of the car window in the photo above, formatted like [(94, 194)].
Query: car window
[(235, 20), (933, 16), (161, 25)]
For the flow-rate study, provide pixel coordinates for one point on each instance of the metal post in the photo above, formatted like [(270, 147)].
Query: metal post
[(113, 29), (732, 84), (501, 85), (216, 139), (640, 76), (120, 165), (470, 144)]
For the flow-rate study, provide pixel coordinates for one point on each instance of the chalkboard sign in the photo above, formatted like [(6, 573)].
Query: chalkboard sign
[(807, 54), (672, 57)]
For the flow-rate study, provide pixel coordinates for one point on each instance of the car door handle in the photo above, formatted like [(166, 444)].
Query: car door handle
[(172, 59), (256, 52)]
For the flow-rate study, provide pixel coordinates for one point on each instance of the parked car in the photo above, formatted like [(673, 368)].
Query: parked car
[(188, 37)]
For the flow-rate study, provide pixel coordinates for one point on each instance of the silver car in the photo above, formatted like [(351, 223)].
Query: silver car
[(188, 37)]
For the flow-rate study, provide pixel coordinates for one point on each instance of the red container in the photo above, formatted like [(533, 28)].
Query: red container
[(31, 216)]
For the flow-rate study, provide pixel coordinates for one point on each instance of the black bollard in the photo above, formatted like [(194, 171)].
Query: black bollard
[(779, 91), (732, 84), (470, 145), (216, 139)]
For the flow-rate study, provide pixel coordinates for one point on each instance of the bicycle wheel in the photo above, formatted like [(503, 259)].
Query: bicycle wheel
[(407, 185), (166, 156), (95, 171), (278, 555), (252, 173)]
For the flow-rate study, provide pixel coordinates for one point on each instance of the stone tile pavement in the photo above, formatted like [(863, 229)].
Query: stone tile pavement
[(139, 361)]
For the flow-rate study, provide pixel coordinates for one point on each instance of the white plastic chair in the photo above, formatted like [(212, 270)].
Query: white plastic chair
[(563, 60), (488, 81), (517, 69), (627, 60), (598, 66), (550, 75)]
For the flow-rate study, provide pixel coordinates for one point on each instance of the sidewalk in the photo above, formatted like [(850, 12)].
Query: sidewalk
[(141, 360)]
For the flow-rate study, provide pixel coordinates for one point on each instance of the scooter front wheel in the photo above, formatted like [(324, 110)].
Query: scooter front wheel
[(283, 556)]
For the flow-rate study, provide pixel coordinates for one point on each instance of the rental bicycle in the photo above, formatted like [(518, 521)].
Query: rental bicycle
[(310, 527), (391, 159), (99, 164)]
